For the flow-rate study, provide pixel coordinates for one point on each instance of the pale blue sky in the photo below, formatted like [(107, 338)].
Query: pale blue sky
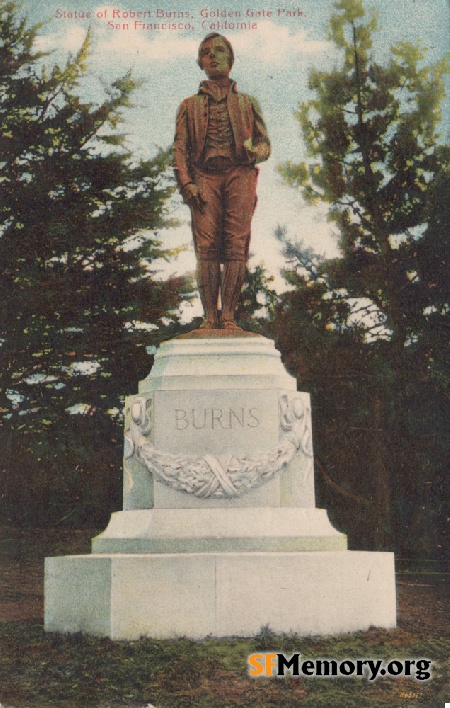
[(272, 63)]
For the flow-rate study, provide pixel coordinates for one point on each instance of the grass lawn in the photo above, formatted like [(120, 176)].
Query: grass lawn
[(54, 671)]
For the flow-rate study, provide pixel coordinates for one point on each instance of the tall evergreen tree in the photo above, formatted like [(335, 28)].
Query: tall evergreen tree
[(79, 223), (372, 134)]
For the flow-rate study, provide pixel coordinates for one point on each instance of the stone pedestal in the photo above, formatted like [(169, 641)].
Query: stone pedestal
[(219, 534)]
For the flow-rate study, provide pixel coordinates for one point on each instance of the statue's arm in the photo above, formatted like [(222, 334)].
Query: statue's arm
[(260, 140), (181, 157), (181, 148)]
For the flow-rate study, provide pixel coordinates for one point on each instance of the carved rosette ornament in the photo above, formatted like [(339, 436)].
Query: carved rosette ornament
[(220, 476)]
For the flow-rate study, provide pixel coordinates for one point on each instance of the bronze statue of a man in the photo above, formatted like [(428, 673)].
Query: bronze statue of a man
[(220, 136)]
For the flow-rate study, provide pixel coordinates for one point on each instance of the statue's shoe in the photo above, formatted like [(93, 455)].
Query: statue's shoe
[(230, 324), (209, 324)]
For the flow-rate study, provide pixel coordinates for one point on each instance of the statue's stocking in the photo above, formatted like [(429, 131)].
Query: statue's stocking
[(208, 279), (232, 283)]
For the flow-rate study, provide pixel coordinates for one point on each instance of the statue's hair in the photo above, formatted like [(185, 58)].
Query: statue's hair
[(211, 35)]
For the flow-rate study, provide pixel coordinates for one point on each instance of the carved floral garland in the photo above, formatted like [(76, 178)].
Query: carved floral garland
[(221, 476)]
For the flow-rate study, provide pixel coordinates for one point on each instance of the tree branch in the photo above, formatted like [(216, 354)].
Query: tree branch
[(332, 483)]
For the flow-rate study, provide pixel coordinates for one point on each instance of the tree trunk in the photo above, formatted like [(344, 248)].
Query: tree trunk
[(381, 479)]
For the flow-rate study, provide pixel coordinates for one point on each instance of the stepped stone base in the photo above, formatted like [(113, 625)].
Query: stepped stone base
[(219, 530), (219, 535), (128, 596)]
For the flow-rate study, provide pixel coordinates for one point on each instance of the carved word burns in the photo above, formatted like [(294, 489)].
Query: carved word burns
[(215, 418)]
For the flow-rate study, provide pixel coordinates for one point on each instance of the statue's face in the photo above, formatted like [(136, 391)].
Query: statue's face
[(214, 58)]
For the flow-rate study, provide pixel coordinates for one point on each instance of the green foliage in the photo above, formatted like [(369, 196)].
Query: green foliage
[(372, 322), (71, 478), (258, 299), (265, 639), (79, 234)]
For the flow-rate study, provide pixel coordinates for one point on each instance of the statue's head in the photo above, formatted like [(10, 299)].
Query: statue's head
[(215, 56)]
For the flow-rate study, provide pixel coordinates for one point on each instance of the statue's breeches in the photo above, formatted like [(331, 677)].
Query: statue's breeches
[(222, 232)]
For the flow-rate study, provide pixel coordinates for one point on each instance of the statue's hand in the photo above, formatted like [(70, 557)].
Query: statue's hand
[(192, 195), (250, 149)]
